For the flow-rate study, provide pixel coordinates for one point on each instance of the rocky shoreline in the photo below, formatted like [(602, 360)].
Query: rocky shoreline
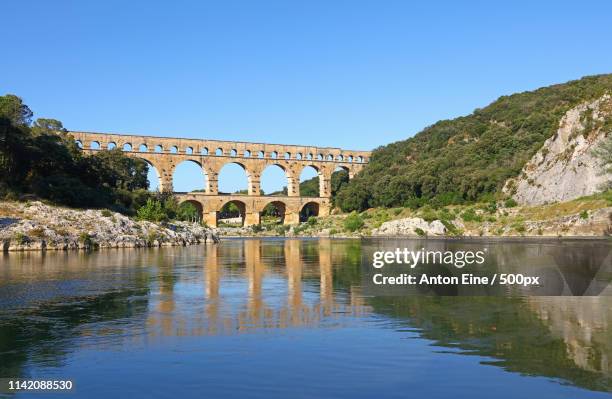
[(597, 223), (35, 226)]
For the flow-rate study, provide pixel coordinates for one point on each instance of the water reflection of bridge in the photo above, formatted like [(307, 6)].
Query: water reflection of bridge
[(128, 298), (291, 300)]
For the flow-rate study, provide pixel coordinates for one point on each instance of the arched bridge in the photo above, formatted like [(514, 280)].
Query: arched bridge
[(165, 153)]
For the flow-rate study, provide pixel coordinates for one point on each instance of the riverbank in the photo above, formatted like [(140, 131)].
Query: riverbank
[(584, 217), (37, 226)]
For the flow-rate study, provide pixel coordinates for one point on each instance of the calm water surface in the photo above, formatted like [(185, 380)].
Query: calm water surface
[(287, 318)]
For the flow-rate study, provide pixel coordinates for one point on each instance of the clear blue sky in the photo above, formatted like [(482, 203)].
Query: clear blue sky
[(331, 73)]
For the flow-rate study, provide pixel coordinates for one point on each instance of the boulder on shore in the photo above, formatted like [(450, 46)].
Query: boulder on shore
[(411, 227)]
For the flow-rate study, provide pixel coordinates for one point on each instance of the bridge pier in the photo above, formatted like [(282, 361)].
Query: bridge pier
[(210, 218), (213, 184), (291, 218), (293, 186), (251, 219), (254, 186), (324, 186), (165, 184)]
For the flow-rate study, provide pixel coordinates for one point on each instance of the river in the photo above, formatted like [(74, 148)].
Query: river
[(280, 318)]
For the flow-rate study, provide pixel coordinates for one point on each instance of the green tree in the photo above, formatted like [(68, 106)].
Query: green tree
[(604, 153), (116, 170), (13, 108), (188, 212), (47, 126), (152, 211), (43, 159), (14, 146)]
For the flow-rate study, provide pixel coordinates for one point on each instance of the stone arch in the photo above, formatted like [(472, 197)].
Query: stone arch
[(261, 154), (309, 209), (247, 153), (127, 147), (306, 174), (219, 152), (111, 145), (189, 150), (158, 148), (189, 174), (95, 145), (274, 180), (287, 155), (198, 205), (229, 184), (79, 144), (204, 151), (274, 155), (153, 176), (143, 148), (174, 150), (274, 212), (233, 152), (229, 214)]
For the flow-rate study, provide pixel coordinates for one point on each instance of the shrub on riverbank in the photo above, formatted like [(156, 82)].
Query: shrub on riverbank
[(353, 222), (153, 211)]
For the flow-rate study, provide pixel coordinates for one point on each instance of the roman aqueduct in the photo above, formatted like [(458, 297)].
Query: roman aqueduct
[(166, 153)]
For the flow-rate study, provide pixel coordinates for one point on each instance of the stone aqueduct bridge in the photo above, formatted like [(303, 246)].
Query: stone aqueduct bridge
[(165, 153)]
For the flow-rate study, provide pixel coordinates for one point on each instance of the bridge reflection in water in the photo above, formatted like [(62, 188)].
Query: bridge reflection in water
[(256, 292), (279, 285)]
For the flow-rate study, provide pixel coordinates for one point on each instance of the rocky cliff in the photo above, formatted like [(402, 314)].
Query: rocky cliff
[(565, 167)]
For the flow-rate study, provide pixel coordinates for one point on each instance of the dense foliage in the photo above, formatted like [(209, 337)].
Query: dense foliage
[(468, 158), (162, 207), (43, 160)]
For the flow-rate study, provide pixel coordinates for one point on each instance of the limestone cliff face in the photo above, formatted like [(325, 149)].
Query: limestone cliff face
[(565, 168)]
